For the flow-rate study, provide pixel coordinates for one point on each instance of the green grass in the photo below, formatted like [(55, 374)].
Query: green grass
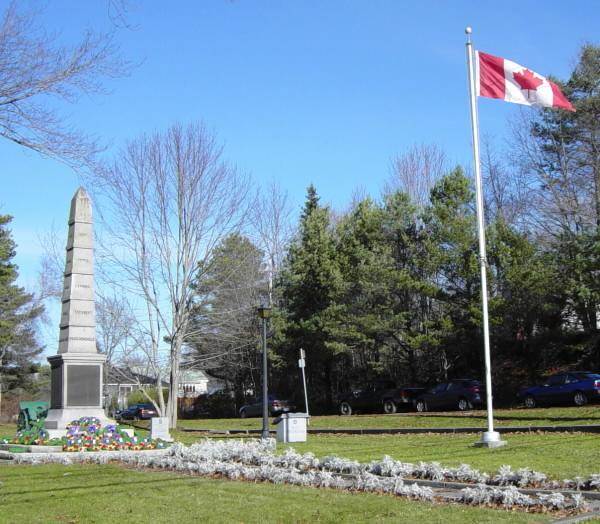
[(95, 494), (7, 430), (557, 416), (560, 455)]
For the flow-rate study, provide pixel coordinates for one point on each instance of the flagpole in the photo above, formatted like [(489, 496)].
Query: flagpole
[(489, 438)]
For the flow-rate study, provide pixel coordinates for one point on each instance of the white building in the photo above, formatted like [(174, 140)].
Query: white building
[(195, 382)]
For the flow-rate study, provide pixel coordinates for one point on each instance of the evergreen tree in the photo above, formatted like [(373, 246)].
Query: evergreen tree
[(414, 319), (453, 254), (310, 284), (18, 315), (366, 269), (223, 335), (566, 161), (568, 150), (525, 307)]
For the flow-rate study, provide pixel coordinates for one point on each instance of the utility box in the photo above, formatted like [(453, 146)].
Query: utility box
[(291, 427)]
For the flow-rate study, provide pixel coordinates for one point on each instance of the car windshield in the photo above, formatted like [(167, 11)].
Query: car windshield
[(469, 383), (556, 380), (587, 376)]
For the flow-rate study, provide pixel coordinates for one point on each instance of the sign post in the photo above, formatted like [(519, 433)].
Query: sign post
[(302, 365)]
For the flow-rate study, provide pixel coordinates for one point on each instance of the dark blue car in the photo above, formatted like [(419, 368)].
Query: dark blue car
[(573, 387)]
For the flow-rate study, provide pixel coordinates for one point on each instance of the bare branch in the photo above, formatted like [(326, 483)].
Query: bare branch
[(416, 172), (166, 203), (34, 68)]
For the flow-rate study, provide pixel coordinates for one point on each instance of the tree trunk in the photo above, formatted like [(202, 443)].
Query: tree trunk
[(174, 383)]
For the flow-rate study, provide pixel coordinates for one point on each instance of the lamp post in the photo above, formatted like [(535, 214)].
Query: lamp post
[(264, 312)]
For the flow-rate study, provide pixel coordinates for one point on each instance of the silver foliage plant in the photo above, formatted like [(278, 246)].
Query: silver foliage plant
[(257, 460)]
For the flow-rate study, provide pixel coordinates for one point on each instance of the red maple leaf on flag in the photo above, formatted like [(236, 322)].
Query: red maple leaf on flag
[(527, 80)]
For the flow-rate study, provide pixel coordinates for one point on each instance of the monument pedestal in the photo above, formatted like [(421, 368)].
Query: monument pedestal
[(76, 390)]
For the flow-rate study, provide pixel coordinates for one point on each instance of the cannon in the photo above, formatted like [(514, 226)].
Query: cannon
[(31, 412)]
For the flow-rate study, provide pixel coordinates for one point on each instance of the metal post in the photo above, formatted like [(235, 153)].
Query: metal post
[(302, 364), (265, 389), (489, 438)]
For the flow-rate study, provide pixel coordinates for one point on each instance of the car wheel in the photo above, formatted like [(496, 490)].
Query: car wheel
[(345, 408), (389, 407), (421, 406), (580, 398), (530, 401), (243, 413), (464, 404)]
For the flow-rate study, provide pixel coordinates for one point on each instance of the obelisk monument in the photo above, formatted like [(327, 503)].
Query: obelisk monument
[(76, 371)]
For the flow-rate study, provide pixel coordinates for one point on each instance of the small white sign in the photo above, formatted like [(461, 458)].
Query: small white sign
[(159, 429)]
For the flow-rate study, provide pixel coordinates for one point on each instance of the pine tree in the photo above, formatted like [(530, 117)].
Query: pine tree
[(566, 162), (310, 283), (18, 315), (452, 251), (525, 307), (223, 334), (366, 268)]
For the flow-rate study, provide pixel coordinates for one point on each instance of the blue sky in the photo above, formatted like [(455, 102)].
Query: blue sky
[(304, 91)]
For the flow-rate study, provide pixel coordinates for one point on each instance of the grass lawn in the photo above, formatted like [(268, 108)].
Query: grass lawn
[(556, 416), (53, 493), (560, 455), (557, 454), (7, 430), (94, 494)]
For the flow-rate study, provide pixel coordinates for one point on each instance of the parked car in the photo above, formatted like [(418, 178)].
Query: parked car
[(137, 412), (380, 396), (276, 407), (461, 394), (576, 387)]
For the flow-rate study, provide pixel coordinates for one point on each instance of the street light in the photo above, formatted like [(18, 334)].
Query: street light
[(264, 313)]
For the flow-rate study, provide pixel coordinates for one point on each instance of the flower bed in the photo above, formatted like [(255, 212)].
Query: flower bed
[(86, 434), (257, 461)]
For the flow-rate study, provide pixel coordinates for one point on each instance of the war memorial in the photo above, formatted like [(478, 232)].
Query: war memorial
[(77, 369)]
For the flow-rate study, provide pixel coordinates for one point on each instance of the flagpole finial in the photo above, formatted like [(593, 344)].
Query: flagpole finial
[(468, 32)]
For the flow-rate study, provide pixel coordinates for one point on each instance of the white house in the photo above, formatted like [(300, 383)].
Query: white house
[(195, 382)]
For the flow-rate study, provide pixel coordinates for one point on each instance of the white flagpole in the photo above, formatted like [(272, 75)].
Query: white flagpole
[(490, 438)]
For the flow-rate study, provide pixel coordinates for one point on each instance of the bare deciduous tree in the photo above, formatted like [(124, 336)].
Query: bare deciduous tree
[(114, 321), (416, 172), (271, 224), (164, 204), (507, 194), (34, 68), (561, 193)]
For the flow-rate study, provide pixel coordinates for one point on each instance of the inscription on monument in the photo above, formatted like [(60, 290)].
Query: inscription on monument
[(83, 385), (56, 389)]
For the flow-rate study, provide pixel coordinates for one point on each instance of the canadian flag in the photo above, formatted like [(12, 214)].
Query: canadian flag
[(501, 78)]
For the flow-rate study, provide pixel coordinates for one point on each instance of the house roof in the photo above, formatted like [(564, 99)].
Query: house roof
[(122, 375), (193, 376), (130, 376)]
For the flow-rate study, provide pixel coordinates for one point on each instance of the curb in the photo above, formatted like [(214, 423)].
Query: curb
[(579, 518)]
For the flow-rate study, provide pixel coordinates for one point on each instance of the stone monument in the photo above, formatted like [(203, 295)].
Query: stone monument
[(77, 369)]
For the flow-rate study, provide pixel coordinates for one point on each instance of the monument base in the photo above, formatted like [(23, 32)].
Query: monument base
[(76, 391)]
